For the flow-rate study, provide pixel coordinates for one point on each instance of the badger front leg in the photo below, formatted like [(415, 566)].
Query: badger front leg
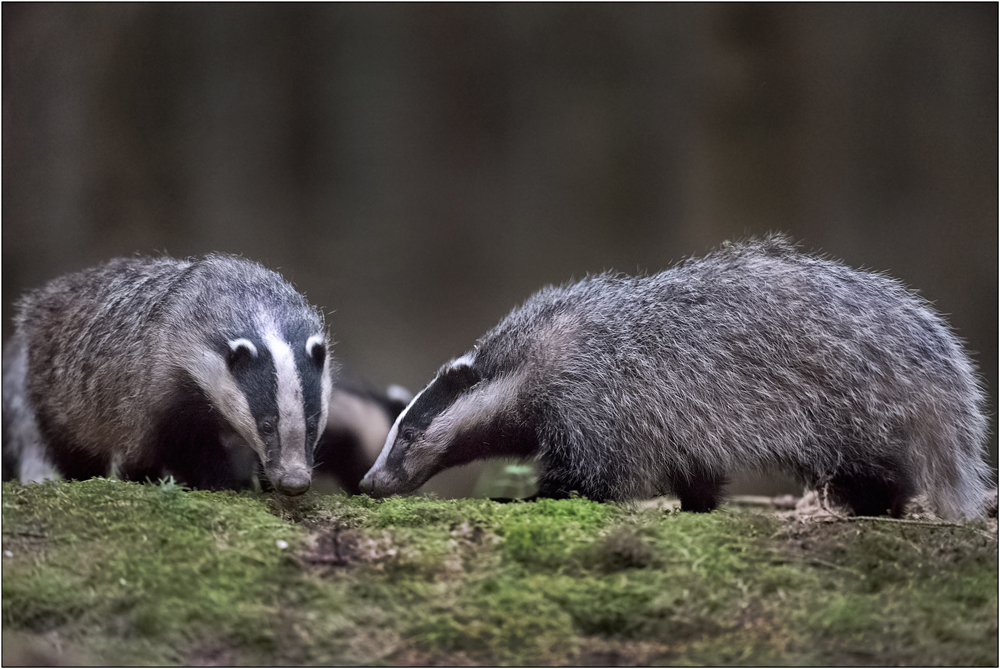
[(699, 489)]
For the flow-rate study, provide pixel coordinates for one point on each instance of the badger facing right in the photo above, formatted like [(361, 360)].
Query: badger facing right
[(756, 357)]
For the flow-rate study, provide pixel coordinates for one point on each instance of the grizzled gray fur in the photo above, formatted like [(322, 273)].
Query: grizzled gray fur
[(755, 357), (213, 370)]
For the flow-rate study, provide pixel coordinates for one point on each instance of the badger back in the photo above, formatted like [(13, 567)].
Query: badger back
[(259, 353)]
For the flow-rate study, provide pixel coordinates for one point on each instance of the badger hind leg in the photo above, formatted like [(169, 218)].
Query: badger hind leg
[(699, 488), (884, 490)]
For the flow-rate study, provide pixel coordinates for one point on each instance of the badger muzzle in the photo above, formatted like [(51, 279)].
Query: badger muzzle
[(291, 475), (380, 482), (292, 483)]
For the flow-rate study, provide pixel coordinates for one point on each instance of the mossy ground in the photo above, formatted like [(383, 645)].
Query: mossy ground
[(119, 573)]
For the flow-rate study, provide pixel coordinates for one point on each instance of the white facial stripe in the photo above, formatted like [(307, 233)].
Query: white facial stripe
[(291, 420), (211, 373), (313, 342), (236, 344), (391, 437), (326, 388)]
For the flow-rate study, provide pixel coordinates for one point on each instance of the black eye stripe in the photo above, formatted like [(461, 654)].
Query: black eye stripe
[(310, 373), (258, 381), (438, 396)]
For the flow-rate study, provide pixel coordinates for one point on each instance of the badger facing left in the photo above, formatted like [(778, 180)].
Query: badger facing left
[(213, 370)]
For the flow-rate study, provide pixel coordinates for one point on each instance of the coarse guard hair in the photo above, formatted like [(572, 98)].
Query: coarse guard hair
[(213, 370), (754, 357)]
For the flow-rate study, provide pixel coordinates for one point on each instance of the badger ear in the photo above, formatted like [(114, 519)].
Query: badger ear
[(240, 350), (459, 376), (316, 348)]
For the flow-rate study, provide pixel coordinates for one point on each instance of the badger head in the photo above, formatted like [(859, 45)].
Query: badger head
[(459, 417), (270, 387)]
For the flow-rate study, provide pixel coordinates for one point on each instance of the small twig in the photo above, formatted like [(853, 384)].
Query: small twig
[(830, 565), (902, 521), (16, 533), (783, 557), (885, 519), (781, 503)]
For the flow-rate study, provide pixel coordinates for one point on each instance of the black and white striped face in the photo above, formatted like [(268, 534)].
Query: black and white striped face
[(416, 447), (273, 388)]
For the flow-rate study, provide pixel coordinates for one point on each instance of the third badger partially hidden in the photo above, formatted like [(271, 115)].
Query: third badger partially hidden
[(755, 357), (359, 418)]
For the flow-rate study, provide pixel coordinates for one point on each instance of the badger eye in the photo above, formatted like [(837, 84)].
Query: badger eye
[(408, 434), (267, 428), (311, 426)]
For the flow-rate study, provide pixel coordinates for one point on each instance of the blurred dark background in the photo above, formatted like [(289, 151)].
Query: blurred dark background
[(418, 170)]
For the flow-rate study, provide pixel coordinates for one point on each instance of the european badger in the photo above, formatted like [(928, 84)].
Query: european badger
[(754, 357), (357, 424), (212, 370)]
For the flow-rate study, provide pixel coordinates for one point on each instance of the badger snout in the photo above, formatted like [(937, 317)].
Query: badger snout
[(387, 483), (375, 486), (371, 486), (366, 486), (293, 484)]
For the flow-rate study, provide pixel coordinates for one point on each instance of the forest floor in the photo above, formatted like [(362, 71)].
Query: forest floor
[(107, 572)]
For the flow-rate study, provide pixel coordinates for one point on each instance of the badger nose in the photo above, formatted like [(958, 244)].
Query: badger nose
[(365, 485), (293, 485)]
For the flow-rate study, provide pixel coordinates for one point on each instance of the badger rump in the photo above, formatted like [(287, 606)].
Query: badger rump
[(212, 370), (755, 357)]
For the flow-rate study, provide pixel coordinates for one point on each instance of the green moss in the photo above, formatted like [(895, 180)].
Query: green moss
[(414, 512), (500, 621), (133, 561), (120, 572)]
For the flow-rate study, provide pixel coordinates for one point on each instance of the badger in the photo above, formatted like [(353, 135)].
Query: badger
[(213, 370), (358, 421), (755, 357)]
